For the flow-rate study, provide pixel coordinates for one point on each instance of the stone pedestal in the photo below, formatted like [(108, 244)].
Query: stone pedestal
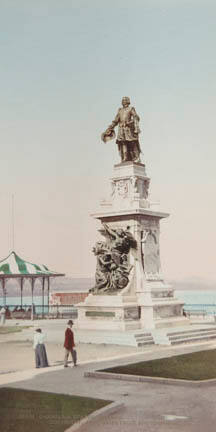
[(108, 313), (147, 294)]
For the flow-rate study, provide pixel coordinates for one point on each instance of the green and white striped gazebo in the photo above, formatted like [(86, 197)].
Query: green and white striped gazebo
[(15, 267)]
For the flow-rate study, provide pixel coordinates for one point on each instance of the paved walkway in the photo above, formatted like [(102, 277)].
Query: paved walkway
[(149, 407)]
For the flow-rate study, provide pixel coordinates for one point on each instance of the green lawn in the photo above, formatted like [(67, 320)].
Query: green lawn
[(12, 329), (33, 411), (195, 366)]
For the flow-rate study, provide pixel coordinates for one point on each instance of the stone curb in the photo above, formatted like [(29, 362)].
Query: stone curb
[(155, 380), (109, 409)]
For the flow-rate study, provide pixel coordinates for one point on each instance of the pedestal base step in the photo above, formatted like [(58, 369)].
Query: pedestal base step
[(128, 338), (144, 339), (165, 323), (141, 338)]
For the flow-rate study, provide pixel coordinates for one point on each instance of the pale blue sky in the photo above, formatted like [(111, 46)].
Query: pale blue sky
[(64, 69)]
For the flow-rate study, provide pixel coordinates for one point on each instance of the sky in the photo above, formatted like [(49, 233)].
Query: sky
[(64, 69)]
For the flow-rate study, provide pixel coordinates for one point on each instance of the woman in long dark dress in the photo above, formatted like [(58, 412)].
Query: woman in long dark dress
[(40, 349)]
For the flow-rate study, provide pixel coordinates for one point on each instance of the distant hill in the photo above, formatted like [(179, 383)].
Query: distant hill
[(193, 284)]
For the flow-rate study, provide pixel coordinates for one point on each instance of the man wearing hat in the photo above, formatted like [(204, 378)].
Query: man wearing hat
[(69, 344)]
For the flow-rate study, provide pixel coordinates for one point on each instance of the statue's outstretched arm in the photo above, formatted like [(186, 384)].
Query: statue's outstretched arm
[(114, 122), (109, 133)]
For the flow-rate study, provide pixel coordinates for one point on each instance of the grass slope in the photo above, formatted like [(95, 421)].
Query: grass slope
[(24, 411), (195, 366)]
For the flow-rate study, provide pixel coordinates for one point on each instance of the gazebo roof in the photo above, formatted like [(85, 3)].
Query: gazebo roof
[(14, 266)]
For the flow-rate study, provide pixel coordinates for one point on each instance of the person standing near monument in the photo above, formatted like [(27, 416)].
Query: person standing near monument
[(128, 132), (40, 350), (69, 345), (2, 315)]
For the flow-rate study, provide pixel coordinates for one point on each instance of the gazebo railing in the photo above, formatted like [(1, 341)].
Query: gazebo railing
[(41, 311)]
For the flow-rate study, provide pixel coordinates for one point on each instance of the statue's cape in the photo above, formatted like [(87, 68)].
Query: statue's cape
[(108, 135)]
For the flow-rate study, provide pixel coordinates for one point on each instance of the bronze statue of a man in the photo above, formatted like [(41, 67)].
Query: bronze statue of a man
[(128, 132)]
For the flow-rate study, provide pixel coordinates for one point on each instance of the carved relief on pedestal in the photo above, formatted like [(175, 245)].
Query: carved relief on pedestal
[(134, 185), (146, 184), (113, 260), (150, 254), (141, 186), (119, 315), (168, 311), (120, 188), (130, 188), (162, 294), (164, 312), (131, 313)]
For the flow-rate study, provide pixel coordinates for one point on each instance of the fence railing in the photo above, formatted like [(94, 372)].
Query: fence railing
[(70, 311), (41, 311), (207, 309)]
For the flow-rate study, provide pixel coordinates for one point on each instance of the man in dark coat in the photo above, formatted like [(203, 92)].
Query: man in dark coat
[(69, 344)]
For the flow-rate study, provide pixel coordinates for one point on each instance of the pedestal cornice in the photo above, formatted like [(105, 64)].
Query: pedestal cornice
[(127, 212)]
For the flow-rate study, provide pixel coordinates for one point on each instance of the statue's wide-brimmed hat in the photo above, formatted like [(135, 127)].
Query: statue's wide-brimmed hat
[(108, 135)]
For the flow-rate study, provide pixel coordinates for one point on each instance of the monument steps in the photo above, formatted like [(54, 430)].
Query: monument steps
[(144, 339), (141, 338), (193, 339), (192, 336), (140, 344), (138, 335), (212, 329), (186, 336)]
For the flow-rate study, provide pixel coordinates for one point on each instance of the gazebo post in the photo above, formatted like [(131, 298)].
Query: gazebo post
[(48, 290), (21, 291), (1, 284), (43, 283), (4, 291), (32, 303)]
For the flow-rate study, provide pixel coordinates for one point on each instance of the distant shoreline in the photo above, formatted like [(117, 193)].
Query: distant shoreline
[(67, 284), (39, 294)]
